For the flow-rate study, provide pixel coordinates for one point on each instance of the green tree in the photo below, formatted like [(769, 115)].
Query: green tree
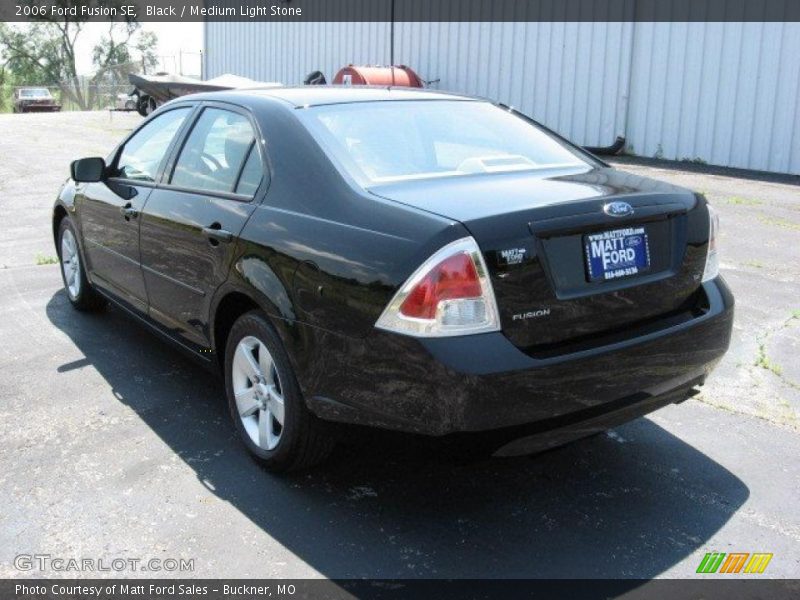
[(5, 88), (113, 48), (43, 53), (146, 46)]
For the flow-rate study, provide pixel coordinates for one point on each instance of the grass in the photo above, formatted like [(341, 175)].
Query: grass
[(754, 263), (779, 222), (763, 361), (740, 201), (42, 259)]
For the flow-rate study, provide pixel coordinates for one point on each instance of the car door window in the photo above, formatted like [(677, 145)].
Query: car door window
[(252, 173), (213, 155), (143, 153)]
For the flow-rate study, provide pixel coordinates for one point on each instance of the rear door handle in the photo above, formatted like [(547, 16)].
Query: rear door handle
[(216, 234)]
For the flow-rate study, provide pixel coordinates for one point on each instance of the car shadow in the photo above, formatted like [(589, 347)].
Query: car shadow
[(630, 504)]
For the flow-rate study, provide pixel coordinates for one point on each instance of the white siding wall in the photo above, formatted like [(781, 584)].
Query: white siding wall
[(723, 93), (287, 52), (566, 75)]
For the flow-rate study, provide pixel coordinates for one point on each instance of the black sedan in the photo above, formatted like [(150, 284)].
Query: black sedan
[(408, 260)]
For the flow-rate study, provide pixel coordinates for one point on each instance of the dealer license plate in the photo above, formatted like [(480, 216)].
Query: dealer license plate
[(617, 253)]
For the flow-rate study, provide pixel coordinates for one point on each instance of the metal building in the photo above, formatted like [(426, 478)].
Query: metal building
[(723, 93)]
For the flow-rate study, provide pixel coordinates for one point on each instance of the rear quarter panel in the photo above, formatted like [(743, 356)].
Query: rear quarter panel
[(320, 253)]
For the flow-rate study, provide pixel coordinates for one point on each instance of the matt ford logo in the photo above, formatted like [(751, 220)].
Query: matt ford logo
[(512, 256), (618, 209), (734, 562)]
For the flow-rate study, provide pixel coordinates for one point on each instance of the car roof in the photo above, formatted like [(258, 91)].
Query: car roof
[(316, 95)]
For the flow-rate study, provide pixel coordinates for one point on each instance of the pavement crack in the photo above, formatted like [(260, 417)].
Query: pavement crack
[(762, 359)]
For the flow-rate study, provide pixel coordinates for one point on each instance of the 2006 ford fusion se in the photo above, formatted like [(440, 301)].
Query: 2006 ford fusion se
[(403, 259)]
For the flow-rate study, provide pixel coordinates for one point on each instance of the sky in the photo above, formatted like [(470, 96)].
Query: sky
[(172, 38)]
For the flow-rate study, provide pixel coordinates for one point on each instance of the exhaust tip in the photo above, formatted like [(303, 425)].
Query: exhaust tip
[(690, 393)]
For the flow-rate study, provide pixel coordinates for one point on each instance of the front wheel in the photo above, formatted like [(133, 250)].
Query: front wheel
[(79, 290), (265, 400)]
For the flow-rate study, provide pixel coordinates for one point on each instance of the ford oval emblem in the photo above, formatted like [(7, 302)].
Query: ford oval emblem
[(618, 209)]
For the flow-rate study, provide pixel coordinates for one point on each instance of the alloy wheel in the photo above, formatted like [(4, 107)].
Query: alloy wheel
[(258, 393), (71, 264)]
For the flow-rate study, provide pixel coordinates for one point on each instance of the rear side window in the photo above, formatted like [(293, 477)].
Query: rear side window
[(252, 173), (143, 153), (215, 152)]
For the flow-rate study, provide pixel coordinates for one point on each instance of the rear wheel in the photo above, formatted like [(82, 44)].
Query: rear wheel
[(265, 400), (79, 290)]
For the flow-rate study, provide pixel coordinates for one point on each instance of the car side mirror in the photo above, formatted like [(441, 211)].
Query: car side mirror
[(88, 170)]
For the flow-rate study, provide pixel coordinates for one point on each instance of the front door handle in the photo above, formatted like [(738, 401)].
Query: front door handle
[(216, 234), (129, 212)]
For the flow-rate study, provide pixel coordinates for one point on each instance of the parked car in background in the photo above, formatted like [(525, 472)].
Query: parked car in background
[(34, 99), (401, 259), (127, 102)]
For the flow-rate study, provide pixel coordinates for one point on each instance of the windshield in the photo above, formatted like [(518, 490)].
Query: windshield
[(34, 93), (379, 142)]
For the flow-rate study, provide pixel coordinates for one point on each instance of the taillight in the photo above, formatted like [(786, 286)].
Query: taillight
[(450, 294), (712, 258)]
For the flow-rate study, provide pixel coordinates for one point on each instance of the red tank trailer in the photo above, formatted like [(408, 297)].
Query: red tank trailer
[(397, 76)]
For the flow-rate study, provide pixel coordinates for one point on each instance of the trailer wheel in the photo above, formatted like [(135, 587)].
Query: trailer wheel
[(147, 105)]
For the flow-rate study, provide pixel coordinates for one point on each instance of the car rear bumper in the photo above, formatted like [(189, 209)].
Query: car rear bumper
[(40, 108), (485, 383)]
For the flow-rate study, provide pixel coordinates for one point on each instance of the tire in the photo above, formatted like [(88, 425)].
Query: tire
[(79, 291), (144, 106), (258, 370)]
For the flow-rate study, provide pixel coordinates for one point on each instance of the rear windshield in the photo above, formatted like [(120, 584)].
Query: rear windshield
[(379, 142), (34, 93)]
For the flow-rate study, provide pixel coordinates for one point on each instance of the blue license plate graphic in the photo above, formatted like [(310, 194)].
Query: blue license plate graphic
[(617, 253)]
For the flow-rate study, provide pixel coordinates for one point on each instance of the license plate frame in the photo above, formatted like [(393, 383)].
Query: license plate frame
[(616, 253)]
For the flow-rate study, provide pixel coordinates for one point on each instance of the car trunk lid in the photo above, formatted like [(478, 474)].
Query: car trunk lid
[(536, 232)]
